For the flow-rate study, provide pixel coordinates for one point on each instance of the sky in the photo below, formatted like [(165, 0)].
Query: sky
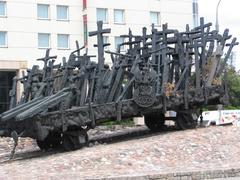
[(228, 16)]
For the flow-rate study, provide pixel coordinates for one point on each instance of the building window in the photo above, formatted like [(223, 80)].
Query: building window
[(119, 16), (105, 41), (118, 41), (62, 12), (102, 15), (43, 11), (155, 18), (2, 8), (3, 39), (43, 40), (63, 41)]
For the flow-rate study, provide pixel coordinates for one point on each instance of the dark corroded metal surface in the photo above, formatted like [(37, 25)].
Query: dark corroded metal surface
[(157, 71)]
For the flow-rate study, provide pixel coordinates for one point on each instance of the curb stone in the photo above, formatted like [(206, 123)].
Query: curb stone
[(194, 175)]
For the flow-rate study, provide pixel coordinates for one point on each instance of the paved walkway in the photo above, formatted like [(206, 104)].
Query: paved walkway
[(191, 154)]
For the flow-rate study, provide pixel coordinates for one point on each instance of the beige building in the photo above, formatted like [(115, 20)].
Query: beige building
[(29, 27)]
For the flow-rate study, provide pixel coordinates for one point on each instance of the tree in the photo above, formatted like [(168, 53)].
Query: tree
[(233, 81)]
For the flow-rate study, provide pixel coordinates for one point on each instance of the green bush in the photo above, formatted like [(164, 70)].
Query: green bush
[(233, 83)]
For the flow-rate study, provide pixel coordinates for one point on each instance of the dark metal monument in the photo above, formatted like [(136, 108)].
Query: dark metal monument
[(161, 71)]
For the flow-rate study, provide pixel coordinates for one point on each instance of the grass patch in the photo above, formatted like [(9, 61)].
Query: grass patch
[(124, 122)]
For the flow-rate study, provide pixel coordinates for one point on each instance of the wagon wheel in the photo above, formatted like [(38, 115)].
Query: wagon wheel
[(44, 145), (73, 141), (186, 120), (52, 141), (154, 121)]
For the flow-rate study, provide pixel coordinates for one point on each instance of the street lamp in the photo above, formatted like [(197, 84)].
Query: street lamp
[(217, 25)]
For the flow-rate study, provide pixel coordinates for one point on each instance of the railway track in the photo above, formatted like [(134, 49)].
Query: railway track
[(96, 137)]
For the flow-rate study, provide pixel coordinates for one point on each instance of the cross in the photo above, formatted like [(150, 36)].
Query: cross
[(130, 40), (154, 44), (145, 48), (100, 44), (202, 25), (45, 60), (225, 37)]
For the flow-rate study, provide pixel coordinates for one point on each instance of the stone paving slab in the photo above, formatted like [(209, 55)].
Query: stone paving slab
[(192, 154)]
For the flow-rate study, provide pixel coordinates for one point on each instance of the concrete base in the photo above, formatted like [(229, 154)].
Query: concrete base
[(139, 121)]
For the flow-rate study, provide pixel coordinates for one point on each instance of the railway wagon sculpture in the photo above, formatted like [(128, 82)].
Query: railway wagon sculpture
[(160, 71)]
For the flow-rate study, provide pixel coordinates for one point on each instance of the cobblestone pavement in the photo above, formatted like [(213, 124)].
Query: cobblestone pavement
[(169, 152)]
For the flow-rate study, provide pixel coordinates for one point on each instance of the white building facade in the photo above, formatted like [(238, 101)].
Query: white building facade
[(29, 27), (136, 14)]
